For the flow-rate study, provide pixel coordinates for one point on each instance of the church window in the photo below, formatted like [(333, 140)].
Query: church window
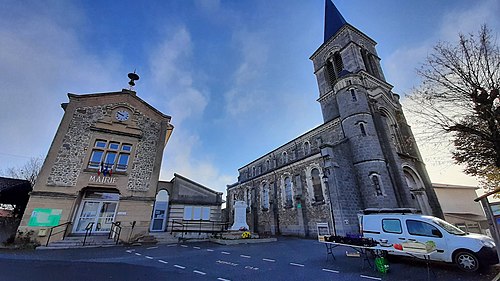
[(316, 182), (307, 148), (362, 128), (339, 65), (249, 198), (394, 133), (353, 95), (377, 184), (110, 156), (268, 164), (253, 171), (288, 192), (284, 157), (265, 196)]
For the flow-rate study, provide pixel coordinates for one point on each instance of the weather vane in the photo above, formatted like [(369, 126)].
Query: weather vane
[(133, 77)]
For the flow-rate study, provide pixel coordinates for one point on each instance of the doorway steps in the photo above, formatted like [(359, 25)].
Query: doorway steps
[(71, 242)]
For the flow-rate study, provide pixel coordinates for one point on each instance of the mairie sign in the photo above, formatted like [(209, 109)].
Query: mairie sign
[(103, 179)]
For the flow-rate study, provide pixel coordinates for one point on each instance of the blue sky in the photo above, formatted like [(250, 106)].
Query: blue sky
[(234, 75)]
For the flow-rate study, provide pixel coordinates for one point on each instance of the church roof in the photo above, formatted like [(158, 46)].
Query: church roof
[(333, 20)]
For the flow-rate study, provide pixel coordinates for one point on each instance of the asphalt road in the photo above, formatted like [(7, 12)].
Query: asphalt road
[(288, 259)]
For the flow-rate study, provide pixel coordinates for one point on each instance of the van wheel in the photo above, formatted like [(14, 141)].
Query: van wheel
[(467, 261)]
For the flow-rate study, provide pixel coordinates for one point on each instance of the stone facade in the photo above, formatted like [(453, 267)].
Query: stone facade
[(363, 156), (102, 167)]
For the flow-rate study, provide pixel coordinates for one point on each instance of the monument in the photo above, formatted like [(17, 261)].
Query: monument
[(240, 216)]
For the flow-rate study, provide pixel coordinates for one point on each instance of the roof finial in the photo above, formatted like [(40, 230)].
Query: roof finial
[(133, 77)]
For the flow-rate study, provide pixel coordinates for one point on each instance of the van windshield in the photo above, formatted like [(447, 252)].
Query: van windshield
[(448, 227)]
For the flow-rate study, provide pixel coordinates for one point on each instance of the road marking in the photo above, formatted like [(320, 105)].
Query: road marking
[(251, 267), (184, 246), (210, 250), (329, 270), (225, 253), (162, 261), (297, 264), (243, 256), (196, 247), (172, 245), (496, 277), (269, 260), (148, 257), (370, 277), (227, 262), (150, 248), (129, 251), (179, 266), (199, 272), (137, 254), (222, 279)]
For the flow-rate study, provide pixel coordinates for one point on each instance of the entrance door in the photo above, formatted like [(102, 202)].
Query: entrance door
[(159, 219), (100, 213)]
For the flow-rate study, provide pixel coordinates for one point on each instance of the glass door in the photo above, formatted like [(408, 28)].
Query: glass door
[(100, 213)]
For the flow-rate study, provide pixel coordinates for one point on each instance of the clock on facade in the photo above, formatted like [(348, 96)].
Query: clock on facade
[(122, 115)]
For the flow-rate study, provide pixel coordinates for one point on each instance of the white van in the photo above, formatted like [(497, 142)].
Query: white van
[(469, 251)]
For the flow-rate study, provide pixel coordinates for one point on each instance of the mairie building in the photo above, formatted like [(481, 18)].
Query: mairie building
[(102, 173), (363, 155)]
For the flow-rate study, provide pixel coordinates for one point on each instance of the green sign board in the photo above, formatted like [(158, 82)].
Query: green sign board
[(45, 217), (299, 206)]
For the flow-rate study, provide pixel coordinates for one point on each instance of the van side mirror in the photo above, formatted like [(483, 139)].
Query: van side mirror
[(437, 233)]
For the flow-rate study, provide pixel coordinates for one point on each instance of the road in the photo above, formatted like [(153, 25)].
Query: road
[(288, 259)]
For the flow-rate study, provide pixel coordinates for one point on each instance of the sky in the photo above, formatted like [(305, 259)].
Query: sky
[(235, 75)]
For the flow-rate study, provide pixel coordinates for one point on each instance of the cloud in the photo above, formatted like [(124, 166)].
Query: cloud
[(245, 95), (42, 59), (173, 72)]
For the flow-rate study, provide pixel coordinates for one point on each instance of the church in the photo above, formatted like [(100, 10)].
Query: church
[(363, 155)]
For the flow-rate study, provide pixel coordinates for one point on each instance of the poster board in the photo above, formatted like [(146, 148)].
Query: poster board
[(45, 217), (323, 229)]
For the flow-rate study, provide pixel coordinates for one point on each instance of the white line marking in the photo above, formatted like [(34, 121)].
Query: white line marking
[(297, 264), (196, 247), (222, 279), (243, 256), (199, 272), (172, 245), (225, 253), (179, 266), (185, 246), (370, 277), (137, 254), (148, 257), (210, 250), (128, 251), (152, 248), (269, 260), (162, 261), (329, 270)]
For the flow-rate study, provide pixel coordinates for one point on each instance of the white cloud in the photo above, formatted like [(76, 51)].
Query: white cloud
[(244, 95), (173, 76), (42, 59)]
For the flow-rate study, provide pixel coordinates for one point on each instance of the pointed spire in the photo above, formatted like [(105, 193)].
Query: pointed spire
[(333, 20)]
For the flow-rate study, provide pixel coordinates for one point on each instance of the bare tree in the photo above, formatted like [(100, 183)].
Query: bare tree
[(29, 171), (459, 97)]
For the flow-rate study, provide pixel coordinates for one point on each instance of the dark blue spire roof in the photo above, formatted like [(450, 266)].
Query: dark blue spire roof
[(333, 20)]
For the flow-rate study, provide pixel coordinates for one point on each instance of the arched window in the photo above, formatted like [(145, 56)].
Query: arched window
[(268, 164), (265, 196), (362, 128), (316, 182), (353, 94), (253, 172), (339, 64), (307, 148), (394, 133), (284, 156), (377, 184), (417, 190), (288, 192)]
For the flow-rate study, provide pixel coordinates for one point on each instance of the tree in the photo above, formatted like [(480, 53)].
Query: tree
[(29, 171), (459, 97)]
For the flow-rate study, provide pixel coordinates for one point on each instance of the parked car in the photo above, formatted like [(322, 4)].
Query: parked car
[(468, 251)]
